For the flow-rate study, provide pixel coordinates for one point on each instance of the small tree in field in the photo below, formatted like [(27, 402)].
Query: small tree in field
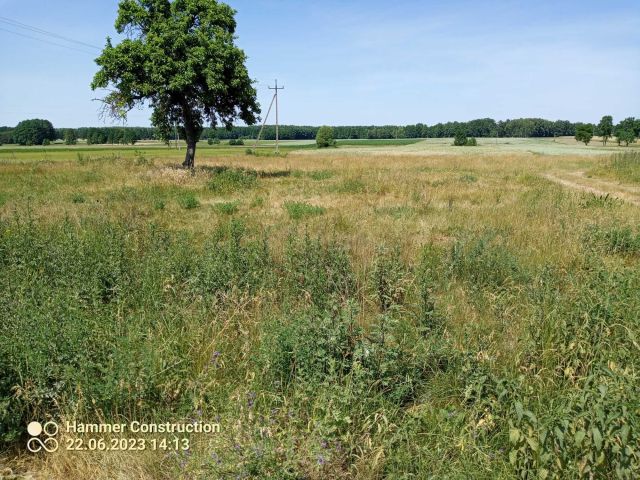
[(460, 140), (605, 128), (584, 133), (180, 57), (324, 137), (625, 135), (70, 137)]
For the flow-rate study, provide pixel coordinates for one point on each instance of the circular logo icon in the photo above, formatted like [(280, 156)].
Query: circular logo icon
[(49, 444)]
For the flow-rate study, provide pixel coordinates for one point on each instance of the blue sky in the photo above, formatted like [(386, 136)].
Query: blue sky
[(364, 62)]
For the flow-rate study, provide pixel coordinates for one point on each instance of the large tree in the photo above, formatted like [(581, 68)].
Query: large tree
[(605, 128), (33, 132), (180, 57)]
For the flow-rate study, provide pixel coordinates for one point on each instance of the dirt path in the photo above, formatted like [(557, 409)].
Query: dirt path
[(578, 181)]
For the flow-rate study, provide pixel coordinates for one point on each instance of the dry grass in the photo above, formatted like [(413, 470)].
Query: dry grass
[(405, 198)]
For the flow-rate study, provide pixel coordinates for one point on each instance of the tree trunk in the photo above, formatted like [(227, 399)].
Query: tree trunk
[(190, 157), (191, 139)]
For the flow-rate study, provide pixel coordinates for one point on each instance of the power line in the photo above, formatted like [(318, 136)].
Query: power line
[(15, 23), (47, 41)]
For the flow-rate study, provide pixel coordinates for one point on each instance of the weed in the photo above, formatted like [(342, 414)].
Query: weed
[(78, 198), (188, 201), (228, 180), (226, 208), (300, 210)]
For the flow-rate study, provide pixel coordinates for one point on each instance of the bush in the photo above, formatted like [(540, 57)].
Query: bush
[(213, 141), (460, 139), (472, 142), (236, 142), (324, 137), (46, 142)]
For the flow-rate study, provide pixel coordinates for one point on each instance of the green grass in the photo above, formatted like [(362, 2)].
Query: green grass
[(300, 210), (227, 208), (188, 201), (624, 167), (382, 142), (491, 335)]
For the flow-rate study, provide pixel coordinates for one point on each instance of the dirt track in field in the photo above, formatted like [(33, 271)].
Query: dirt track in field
[(578, 181)]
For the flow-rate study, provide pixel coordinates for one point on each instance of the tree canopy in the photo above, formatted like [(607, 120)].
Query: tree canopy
[(584, 133), (33, 132), (181, 59), (605, 128), (324, 138)]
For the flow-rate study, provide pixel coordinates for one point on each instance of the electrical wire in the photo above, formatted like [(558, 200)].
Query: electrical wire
[(15, 23), (48, 41)]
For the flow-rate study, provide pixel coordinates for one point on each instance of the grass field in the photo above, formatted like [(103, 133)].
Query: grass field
[(410, 310)]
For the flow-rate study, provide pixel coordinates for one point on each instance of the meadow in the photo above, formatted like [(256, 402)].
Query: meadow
[(382, 310)]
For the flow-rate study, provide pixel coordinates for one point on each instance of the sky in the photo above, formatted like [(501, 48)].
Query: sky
[(361, 62)]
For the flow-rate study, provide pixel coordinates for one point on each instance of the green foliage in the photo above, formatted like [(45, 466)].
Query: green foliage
[(485, 262), (236, 142), (228, 180), (324, 137), (584, 133), (613, 240), (351, 186), (389, 279), (226, 208), (300, 210), (46, 142), (605, 128), (460, 139), (319, 175), (318, 273), (627, 131), (625, 166), (471, 142), (33, 132), (188, 201), (70, 137), (181, 57), (592, 200), (78, 198)]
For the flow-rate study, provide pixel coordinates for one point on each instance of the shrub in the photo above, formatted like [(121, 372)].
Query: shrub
[(471, 142), (460, 139), (300, 210), (324, 137), (236, 142)]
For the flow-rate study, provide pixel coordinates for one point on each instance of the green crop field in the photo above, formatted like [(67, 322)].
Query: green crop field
[(385, 310)]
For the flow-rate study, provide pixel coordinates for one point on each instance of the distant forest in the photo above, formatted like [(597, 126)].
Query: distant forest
[(484, 127)]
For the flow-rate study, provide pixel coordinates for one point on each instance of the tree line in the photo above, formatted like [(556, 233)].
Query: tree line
[(38, 132)]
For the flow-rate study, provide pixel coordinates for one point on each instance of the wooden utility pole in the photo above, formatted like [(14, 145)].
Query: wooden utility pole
[(276, 88)]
